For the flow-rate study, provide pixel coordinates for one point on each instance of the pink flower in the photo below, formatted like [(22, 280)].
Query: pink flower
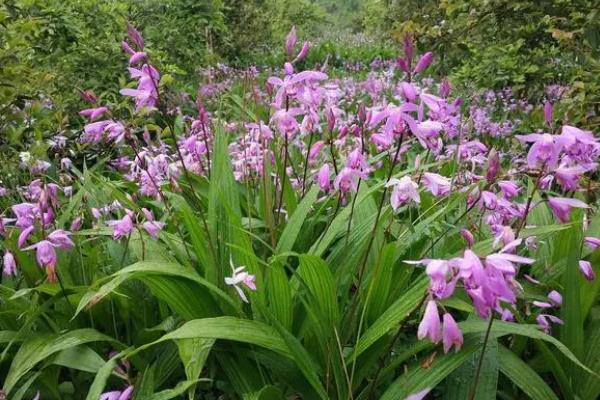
[(60, 238), (93, 113), (323, 178), (420, 395), (117, 394), (561, 207), (10, 265), (424, 62), (153, 227), (408, 91), (136, 57), (468, 236), (542, 321), (45, 256), (76, 224), (592, 242), (568, 177), (290, 42), (347, 180), (121, 227), (405, 190), (303, 52), (314, 151), (555, 297), (548, 112), (509, 188), (586, 269), (430, 324), (437, 184), (544, 150), (25, 233), (451, 333)]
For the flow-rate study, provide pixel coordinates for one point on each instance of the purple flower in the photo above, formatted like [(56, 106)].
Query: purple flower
[(290, 42), (543, 152), (405, 190), (420, 395), (493, 166), (430, 324), (468, 236), (548, 112), (555, 297), (424, 62), (45, 256), (561, 207), (76, 224), (592, 242), (118, 395), (509, 188), (323, 178), (10, 265), (568, 177), (60, 238), (303, 52), (93, 113), (437, 184), (121, 227), (25, 233), (451, 333), (347, 180), (135, 36), (408, 91), (543, 322), (586, 269), (153, 227)]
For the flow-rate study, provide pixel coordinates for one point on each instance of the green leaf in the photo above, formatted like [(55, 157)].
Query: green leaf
[(102, 376), (38, 348), (461, 382), (295, 222), (502, 328), (315, 276), (178, 390), (80, 357), (193, 353), (168, 281), (568, 247), (396, 313), (524, 376), (228, 328), (418, 378)]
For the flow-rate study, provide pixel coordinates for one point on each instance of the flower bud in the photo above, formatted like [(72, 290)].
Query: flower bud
[(424, 62), (548, 112), (290, 42)]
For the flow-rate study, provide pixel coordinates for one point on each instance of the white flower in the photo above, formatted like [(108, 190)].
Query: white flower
[(240, 276)]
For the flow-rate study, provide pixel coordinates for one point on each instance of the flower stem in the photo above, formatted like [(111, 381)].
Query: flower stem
[(480, 362)]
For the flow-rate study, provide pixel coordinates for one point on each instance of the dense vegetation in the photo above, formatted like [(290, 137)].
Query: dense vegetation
[(391, 200)]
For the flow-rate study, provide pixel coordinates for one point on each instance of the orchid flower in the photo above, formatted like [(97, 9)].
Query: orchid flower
[(239, 276)]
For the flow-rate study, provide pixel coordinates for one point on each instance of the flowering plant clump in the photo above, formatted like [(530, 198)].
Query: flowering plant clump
[(296, 236)]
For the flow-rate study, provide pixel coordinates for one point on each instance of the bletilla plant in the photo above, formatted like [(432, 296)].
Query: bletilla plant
[(304, 237)]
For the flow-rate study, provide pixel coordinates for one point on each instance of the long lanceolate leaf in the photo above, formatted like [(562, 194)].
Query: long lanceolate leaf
[(569, 248), (391, 317), (169, 282), (38, 348), (501, 328), (251, 332), (524, 376), (418, 379)]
